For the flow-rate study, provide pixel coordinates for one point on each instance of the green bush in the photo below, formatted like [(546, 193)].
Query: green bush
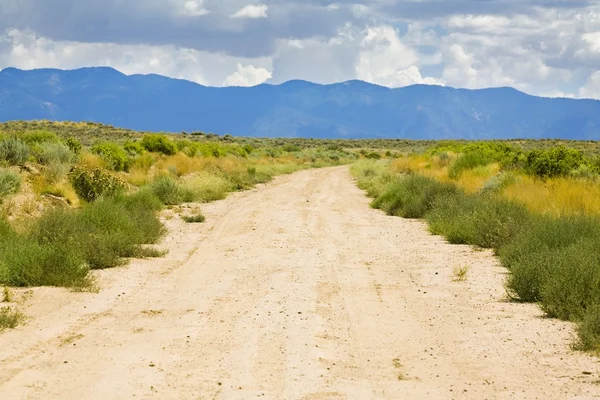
[(34, 264), (588, 330), (373, 156), (557, 161), (52, 152), (13, 151), (74, 145), (485, 221), (10, 182), (499, 182), (133, 148), (413, 196), (116, 157), (546, 247), (105, 231), (36, 137), (170, 192), (90, 185), (467, 161), (9, 318), (573, 283), (194, 218), (159, 144)]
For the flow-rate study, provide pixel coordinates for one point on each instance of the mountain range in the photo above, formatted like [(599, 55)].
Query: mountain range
[(352, 109)]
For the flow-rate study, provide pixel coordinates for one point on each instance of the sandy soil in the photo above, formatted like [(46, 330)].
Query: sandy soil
[(294, 290)]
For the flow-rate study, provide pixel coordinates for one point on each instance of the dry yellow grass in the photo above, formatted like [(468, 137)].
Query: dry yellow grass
[(179, 164), (560, 196), (91, 161), (473, 180)]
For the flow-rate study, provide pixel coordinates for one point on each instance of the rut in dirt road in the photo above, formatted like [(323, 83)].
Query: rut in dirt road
[(295, 290)]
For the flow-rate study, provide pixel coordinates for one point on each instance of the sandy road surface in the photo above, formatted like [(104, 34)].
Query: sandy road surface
[(294, 290)]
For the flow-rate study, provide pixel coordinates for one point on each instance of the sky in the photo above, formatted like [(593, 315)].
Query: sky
[(542, 47)]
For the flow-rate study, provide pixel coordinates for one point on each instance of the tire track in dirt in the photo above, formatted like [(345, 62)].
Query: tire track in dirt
[(294, 290)]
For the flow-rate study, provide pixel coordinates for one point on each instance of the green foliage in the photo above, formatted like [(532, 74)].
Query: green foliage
[(373, 155), (499, 182), (116, 157), (159, 144), (36, 137), (13, 151), (34, 264), (588, 330), (533, 253), (54, 152), (557, 161), (103, 232), (10, 182), (467, 161), (133, 148), (9, 318), (90, 185), (194, 218), (413, 196), (485, 221), (170, 192), (74, 145)]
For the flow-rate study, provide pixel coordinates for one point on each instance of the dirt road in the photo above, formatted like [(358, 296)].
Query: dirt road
[(294, 290)]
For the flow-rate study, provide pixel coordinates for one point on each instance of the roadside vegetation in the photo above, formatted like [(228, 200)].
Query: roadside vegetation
[(538, 209), (76, 197)]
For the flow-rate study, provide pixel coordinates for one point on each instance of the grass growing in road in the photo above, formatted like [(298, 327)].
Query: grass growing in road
[(460, 273), (9, 318), (197, 218)]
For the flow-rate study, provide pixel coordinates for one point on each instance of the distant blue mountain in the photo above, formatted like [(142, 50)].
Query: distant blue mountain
[(352, 109)]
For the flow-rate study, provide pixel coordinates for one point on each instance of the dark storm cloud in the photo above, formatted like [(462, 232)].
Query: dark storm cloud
[(428, 9), (164, 22)]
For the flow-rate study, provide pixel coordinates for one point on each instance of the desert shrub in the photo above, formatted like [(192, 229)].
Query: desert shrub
[(209, 187), (194, 218), (170, 192), (35, 137), (588, 330), (532, 254), (13, 151), (248, 148), (54, 152), (114, 155), (92, 184), (469, 160), (485, 221), (373, 156), (105, 231), (557, 161), (499, 182), (210, 149), (30, 263), (572, 284), (9, 318), (74, 145), (10, 182), (159, 144), (133, 148), (412, 196)]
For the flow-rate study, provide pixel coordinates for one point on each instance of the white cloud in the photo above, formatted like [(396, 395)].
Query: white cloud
[(252, 11), (28, 51), (540, 50), (385, 60), (591, 89), (247, 76), (194, 8)]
